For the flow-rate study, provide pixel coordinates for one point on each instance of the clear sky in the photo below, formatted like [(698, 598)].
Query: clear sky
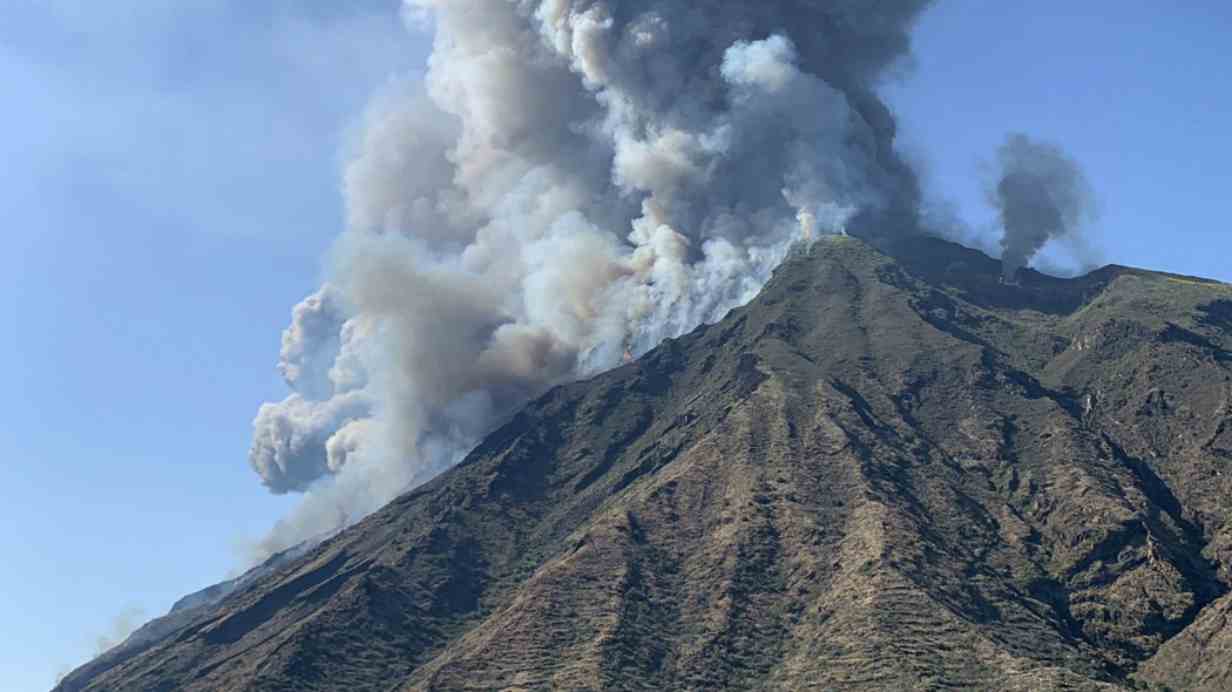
[(170, 184), (1139, 95)]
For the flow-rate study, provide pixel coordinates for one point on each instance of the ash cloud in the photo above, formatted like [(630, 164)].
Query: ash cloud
[(572, 179), (304, 437), (1041, 195)]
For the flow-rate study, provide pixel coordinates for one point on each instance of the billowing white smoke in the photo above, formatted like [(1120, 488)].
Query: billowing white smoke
[(573, 179)]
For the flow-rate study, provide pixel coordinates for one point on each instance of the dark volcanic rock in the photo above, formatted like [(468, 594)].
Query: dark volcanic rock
[(887, 472)]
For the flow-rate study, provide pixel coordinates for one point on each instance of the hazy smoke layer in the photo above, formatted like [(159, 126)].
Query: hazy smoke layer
[(574, 178), (118, 630), (1041, 194)]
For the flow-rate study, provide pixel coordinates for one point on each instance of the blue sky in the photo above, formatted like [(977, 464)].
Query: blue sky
[(1141, 98), (171, 184), (169, 189)]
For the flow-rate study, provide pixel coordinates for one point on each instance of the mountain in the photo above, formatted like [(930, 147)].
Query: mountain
[(889, 471), (183, 613)]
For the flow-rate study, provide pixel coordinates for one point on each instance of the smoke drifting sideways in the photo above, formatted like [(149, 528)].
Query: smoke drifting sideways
[(573, 180), (1041, 195), (119, 630)]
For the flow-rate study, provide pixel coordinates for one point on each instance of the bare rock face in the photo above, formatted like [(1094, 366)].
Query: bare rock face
[(890, 471)]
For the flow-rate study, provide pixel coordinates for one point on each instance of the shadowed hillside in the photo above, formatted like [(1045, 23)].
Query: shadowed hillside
[(890, 471)]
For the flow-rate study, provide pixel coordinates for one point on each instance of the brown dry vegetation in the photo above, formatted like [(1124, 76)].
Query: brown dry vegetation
[(890, 471)]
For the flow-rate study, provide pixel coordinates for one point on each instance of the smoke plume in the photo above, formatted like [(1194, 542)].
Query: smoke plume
[(573, 179), (1041, 195), (119, 629)]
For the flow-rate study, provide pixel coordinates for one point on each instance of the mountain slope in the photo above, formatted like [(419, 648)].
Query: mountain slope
[(890, 471)]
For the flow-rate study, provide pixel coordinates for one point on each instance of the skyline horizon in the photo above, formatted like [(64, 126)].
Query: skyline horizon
[(162, 238)]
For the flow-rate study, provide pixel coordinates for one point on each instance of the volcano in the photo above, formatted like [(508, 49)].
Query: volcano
[(891, 470)]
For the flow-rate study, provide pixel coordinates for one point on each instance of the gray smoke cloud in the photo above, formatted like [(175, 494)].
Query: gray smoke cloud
[(307, 435), (1041, 194), (572, 179)]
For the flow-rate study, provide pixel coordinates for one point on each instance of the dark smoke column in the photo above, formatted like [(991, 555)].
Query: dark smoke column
[(1041, 194)]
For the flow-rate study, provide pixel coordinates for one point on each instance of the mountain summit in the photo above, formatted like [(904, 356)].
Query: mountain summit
[(891, 470)]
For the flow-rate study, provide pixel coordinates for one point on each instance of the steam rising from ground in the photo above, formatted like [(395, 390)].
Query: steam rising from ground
[(573, 179), (1041, 194), (119, 629)]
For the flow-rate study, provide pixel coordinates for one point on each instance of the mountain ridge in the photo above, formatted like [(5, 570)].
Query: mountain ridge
[(890, 469)]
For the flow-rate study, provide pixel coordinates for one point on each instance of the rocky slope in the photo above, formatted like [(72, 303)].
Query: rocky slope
[(890, 471)]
